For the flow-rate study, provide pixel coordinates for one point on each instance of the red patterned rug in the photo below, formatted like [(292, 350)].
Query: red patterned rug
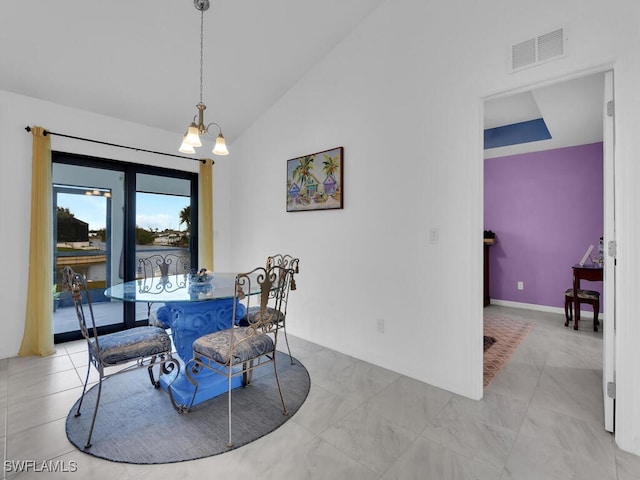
[(507, 334)]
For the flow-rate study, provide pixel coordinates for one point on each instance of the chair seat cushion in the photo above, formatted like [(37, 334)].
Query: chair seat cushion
[(158, 321), (583, 294), (247, 345), (120, 347), (253, 312)]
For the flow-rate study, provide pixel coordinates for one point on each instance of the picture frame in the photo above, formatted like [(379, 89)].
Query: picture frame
[(315, 181)]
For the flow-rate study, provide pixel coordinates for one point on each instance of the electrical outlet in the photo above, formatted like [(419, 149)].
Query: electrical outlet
[(520, 285), (380, 325), (434, 236)]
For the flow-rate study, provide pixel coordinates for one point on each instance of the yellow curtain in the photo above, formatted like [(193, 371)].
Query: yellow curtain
[(205, 214), (37, 338)]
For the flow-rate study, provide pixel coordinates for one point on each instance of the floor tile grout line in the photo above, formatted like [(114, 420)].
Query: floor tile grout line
[(524, 419)]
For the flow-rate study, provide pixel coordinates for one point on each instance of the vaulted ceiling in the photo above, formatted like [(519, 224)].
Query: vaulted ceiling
[(139, 60)]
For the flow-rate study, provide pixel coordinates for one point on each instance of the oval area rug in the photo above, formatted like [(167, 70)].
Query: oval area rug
[(136, 423)]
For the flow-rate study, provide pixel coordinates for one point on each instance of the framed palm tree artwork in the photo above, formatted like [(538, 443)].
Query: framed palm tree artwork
[(314, 182)]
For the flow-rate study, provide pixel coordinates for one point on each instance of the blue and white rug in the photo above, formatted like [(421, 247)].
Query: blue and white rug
[(137, 423)]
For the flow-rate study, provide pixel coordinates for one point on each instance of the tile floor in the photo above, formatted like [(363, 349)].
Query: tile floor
[(541, 418)]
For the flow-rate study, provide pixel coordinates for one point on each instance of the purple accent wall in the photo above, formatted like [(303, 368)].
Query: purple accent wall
[(546, 208)]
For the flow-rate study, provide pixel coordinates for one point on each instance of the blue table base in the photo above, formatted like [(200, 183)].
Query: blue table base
[(188, 322), (210, 385)]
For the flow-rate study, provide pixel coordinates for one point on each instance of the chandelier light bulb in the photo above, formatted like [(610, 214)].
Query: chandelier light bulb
[(220, 148), (193, 136), (185, 147)]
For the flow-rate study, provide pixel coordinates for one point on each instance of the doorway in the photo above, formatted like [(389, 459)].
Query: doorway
[(531, 265)]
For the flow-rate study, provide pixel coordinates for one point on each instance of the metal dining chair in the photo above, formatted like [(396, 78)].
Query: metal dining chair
[(133, 348), (241, 349), (291, 264)]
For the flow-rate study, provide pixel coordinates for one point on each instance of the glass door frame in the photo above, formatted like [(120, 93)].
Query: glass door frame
[(57, 189), (130, 170)]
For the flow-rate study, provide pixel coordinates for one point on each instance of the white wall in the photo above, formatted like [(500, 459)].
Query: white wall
[(403, 95)]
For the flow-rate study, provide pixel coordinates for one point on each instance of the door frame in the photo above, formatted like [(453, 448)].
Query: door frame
[(609, 325), (609, 285)]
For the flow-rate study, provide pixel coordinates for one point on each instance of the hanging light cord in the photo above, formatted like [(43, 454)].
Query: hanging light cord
[(201, 49)]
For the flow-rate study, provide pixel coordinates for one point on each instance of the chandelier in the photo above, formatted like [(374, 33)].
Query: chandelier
[(191, 139)]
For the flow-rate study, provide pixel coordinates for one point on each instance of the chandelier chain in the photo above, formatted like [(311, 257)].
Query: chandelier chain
[(191, 138), (201, 49)]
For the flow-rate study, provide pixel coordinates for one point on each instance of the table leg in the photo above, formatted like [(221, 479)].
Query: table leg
[(576, 303)]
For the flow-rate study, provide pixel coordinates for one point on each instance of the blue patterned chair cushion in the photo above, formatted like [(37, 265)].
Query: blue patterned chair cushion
[(584, 294), (253, 312), (134, 343), (216, 345), (157, 321)]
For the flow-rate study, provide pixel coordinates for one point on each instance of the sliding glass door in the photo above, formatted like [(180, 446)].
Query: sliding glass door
[(163, 230), (109, 215), (88, 236)]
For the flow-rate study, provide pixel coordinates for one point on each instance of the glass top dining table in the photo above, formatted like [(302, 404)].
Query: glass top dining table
[(190, 309), (173, 289)]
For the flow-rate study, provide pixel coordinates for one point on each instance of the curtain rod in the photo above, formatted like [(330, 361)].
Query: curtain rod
[(47, 132)]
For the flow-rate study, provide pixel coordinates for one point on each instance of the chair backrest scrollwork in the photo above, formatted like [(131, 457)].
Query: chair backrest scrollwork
[(291, 264), (154, 271), (267, 302)]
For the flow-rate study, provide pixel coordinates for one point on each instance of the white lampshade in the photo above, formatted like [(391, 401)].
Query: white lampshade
[(193, 136), (220, 148), (185, 147)]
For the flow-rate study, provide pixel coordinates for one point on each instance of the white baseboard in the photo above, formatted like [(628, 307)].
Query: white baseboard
[(539, 308)]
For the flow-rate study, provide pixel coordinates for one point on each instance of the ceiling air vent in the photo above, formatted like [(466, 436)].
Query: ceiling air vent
[(538, 50)]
